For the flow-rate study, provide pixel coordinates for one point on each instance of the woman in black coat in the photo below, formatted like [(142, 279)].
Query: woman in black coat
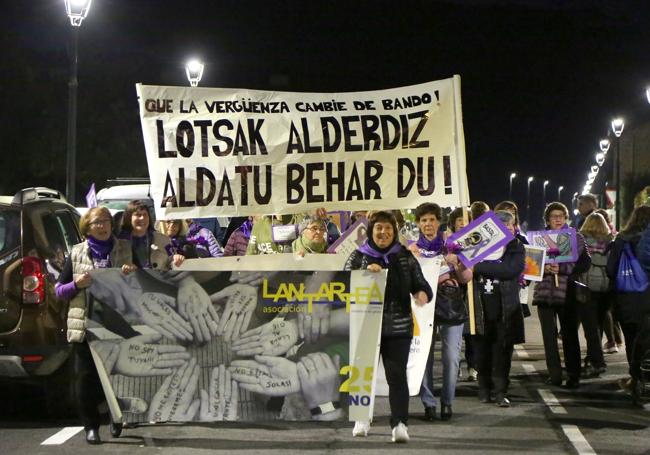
[(499, 319), (382, 250)]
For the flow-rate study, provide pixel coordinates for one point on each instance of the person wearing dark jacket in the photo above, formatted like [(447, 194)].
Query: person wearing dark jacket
[(554, 297), (500, 321), (630, 308), (405, 278)]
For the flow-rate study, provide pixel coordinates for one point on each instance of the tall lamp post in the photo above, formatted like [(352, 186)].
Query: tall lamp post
[(617, 128), (546, 182), (77, 10), (194, 71), (559, 193), (530, 179), (512, 177)]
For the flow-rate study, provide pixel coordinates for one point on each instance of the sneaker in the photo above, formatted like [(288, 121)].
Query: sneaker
[(502, 401), (610, 348), (361, 429), (400, 433), (625, 384), (430, 413), (472, 374)]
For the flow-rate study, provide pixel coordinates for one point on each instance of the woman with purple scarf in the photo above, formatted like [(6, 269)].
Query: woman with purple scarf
[(100, 250), (405, 278), (431, 243)]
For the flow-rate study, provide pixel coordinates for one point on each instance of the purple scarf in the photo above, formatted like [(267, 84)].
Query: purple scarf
[(432, 246), (246, 228), (373, 250), (100, 249)]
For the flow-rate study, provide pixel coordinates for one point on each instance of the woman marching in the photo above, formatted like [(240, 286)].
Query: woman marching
[(405, 278), (100, 250)]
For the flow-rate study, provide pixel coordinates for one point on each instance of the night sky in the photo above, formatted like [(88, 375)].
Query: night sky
[(541, 80)]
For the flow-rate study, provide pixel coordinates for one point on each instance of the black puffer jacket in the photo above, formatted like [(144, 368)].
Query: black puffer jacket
[(404, 278)]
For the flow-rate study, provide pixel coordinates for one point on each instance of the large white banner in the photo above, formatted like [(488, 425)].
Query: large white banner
[(214, 152)]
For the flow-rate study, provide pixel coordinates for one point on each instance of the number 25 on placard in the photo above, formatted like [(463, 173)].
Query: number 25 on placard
[(350, 384)]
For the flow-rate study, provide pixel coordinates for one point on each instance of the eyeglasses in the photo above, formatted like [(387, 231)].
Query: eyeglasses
[(100, 222), (172, 222), (317, 229), (557, 217)]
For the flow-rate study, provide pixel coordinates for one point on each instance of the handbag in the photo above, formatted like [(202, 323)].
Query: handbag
[(630, 276), (451, 303), (582, 292)]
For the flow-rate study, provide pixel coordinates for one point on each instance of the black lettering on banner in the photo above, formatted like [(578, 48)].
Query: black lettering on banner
[(295, 143), (220, 137), (185, 139), (354, 186), (350, 133), (171, 197), (389, 141), (305, 134), (330, 145), (162, 153), (295, 174), (203, 126), (373, 171), (312, 182), (201, 173), (225, 192), (405, 165), (337, 180), (244, 171), (413, 143), (259, 197), (446, 167), (255, 136), (369, 124), (241, 144), (405, 130), (182, 202)]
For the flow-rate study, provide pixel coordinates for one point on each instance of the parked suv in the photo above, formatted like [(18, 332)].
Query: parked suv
[(37, 230)]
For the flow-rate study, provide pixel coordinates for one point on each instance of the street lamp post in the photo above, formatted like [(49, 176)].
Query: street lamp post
[(77, 11), (530, 179), (559, 193), (512, 176), (617, 128), (546, 182), (194, 71)]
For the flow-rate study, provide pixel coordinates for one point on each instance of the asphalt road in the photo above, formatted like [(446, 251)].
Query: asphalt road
[(596, 418)]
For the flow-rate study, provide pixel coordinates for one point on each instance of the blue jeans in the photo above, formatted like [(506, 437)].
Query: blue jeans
[(452, 337)]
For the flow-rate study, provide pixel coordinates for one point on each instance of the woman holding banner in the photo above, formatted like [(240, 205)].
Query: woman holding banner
[(450, 326), (383, 251), (100, 250), (500, 321)]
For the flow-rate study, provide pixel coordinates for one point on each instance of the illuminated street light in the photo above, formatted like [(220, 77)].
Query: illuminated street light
[(512, 176), (77, 10), (604, 146), (194, 71), (530, 179), (594, 169), (546, 182), (600, 158), (617, 126), (647, 94), (559, 192)]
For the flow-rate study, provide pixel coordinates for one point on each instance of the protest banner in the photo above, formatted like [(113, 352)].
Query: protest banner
[(231, 345), (560, 245), (351, 239), (214, 152), (480, 238), (534, 262)]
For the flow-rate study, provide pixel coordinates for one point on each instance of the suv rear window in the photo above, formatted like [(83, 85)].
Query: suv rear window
[(9, 230)]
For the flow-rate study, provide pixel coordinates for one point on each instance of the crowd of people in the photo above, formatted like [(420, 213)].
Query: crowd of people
[(583, 292)]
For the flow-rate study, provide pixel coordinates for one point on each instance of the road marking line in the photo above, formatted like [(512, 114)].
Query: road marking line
[(551, 401), (62, 436), (578, 440), (521, 352), (529, 368)]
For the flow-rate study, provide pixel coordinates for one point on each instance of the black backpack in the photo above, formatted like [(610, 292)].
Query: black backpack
[(596, 278)]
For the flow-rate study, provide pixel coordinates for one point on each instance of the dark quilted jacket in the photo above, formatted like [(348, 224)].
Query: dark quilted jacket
[(404, 278)]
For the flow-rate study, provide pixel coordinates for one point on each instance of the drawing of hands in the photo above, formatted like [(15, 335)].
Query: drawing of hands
[(270, 376), (311, 326), (251, 278), (116, 289), (175, 398), (319, 378), (143, 356), (274, 338), (195, 306), (222, 401), (155, 310), (241, 300)]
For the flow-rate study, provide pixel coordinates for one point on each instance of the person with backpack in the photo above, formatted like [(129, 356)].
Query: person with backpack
[(632, 292), (592, 312)]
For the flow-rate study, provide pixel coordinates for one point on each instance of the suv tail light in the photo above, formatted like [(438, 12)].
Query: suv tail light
[(33, 280)]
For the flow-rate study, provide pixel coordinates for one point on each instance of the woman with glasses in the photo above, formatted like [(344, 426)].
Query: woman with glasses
[(554, 298), (312, 237), (100, 250)]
